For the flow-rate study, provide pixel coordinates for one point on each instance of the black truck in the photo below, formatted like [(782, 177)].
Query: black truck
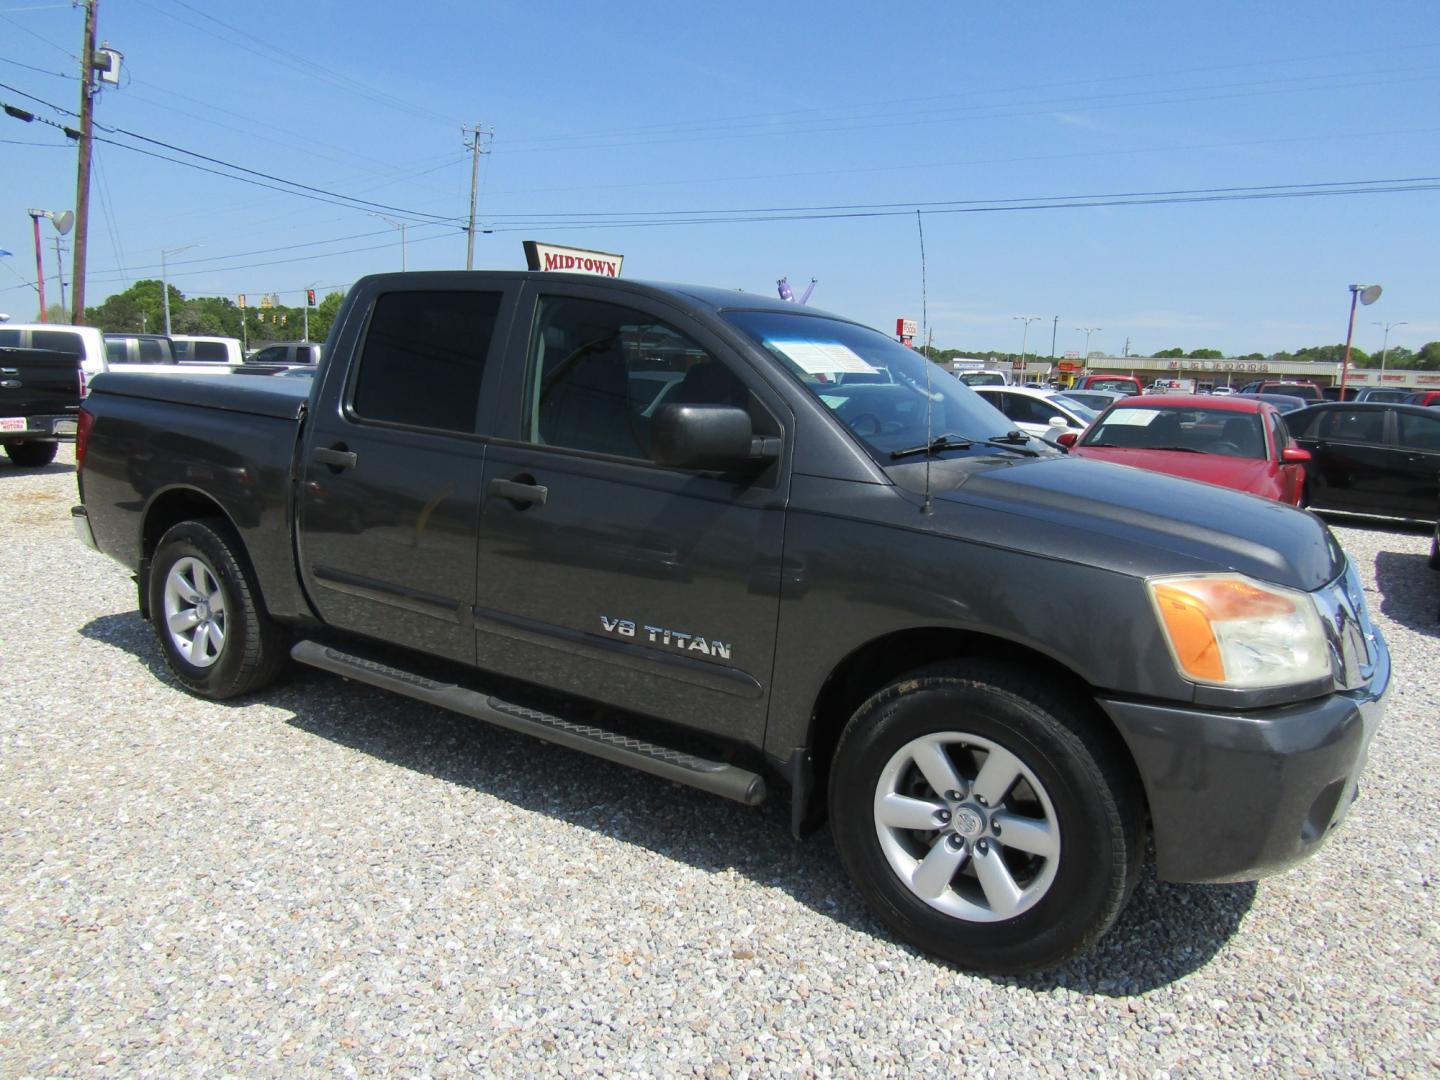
[(39, 403), (750, 547)]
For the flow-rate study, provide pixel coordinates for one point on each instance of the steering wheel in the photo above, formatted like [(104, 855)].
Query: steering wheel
[(866, 420)]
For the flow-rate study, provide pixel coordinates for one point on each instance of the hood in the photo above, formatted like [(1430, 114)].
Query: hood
[(1132, 521), (1242, 474)]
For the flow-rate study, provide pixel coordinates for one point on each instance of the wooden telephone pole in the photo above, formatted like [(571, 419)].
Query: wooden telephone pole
[(82, 176), (475, 152)]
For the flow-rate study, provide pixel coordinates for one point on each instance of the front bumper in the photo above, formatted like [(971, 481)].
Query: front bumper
[(1237, 795)]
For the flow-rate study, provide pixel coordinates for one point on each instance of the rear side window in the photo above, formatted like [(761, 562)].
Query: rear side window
[(9, 339), (302, 354), (423, 358), (59, 340), (154, 352), (115, 351), (206, 350)]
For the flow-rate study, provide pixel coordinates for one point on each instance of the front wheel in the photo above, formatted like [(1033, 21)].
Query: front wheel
[(986, 819), (217, 638), (30, 454)]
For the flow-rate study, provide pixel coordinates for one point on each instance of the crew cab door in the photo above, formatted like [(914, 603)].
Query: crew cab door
[(391, 465), (600, 573)]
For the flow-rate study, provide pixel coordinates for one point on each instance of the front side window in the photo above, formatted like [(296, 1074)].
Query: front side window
[(153, 352), (275, 354), (1353, 425), (1419, 432), (423, 358), (599, 371), (9, 339), (114, 351), (206, 350)]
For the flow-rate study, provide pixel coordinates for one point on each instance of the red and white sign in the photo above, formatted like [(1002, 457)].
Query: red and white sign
[(906, 328), (572, 260)]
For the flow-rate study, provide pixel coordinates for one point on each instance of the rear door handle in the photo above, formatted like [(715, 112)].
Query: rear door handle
[(517, 492), (335, 457)]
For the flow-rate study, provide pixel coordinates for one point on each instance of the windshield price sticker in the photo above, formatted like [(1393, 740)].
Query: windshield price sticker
[(1132, 417), (824, 357)]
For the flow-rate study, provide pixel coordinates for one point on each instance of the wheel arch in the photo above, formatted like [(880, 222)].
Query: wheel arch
[(167, 509), (879, 662)]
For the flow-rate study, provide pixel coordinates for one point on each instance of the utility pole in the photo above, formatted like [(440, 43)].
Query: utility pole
[(1054, 326), (82, 175), (60, 272), (475, 151)]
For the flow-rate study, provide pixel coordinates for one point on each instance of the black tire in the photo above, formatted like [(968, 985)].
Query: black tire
[(1085, 802), (251, 648), (1435, 550), (30, 453)]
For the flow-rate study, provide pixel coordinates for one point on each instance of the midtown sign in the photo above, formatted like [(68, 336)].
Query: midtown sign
[(571, 260)]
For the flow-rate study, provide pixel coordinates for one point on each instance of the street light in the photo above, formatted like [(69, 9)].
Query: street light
[(1385, 349), (399, 225), (62, 220), (165, 282), (1367, 295), (1087, 331), (1025, 338)]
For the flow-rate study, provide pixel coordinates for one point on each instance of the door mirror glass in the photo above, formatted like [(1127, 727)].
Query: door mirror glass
[(710, 437), (1068, 439)]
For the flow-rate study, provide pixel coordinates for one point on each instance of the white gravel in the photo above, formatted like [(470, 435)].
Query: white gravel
[(331, 881)]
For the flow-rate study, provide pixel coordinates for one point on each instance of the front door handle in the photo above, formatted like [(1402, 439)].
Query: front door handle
[(519, 493), (335, 457)]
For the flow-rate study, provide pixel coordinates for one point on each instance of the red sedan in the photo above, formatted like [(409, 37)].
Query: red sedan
[(1235, 442)]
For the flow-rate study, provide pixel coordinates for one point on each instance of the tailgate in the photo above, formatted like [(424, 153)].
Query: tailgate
[(37, 382)]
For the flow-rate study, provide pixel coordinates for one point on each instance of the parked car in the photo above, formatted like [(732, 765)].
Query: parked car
[(984, 377), (1284, 402), (1044, 414), (138, 349), (1222, 390), (39, 403), (1124, 384), (1371, 457), (287, 352), (1236, 442), (1308, 390), (1377, 393), (85, 342), (1005, 674), (193, 349), (1098, 400), (1340, 393), (1423, 397)]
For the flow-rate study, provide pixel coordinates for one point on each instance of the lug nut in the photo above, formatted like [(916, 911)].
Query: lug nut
[(954, 841), (995, 827), (981, 800), (942, 816), (982, 847), (954, 796)]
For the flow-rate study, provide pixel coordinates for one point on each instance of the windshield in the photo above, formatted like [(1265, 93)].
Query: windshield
[(888, 395), (1118, 384), (1079, 408), (1193, 430), (982, 378)]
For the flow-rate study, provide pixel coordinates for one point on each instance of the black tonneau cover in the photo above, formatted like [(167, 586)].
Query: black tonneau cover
[(259, 395)]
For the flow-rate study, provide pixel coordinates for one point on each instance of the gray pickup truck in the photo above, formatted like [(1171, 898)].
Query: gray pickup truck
[(39, 403), (749, 546)]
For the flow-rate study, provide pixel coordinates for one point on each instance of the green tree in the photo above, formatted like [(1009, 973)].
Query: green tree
[(1170, 354), (1206, 354), (1428, 358), (139, 309)]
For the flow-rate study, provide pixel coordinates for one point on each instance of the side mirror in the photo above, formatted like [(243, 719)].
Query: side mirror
[(716, 438), (1068, 439), (1295, 454)]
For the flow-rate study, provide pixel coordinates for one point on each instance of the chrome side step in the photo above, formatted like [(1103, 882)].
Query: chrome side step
[(716, 777)]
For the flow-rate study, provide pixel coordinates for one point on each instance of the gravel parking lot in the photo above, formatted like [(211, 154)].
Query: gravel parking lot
[(328, 880)]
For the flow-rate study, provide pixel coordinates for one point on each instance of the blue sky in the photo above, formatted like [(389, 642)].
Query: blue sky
[(638, 110)]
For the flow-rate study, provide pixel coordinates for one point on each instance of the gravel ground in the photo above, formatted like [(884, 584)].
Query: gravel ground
[(328, 880)]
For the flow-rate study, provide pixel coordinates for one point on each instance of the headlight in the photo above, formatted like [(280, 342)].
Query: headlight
[(1227, 630)]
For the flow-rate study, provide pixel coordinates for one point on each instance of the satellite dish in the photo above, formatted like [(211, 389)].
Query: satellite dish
[(1369, 294), (64, 220)]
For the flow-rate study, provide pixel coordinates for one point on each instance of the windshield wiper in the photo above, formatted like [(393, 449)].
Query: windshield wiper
[(1177, 449), (962, 442)]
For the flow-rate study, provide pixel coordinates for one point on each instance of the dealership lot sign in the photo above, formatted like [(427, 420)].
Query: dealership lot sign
[(572, 260)]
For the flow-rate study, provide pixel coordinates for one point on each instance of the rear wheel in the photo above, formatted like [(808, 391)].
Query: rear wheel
[(986, 819), (204, 602), (30, 453)]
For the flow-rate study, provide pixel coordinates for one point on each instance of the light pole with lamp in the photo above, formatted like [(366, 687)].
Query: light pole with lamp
[(62, 220), (399, 225), (1367, 295), (1024, 338), (1385, 349), (165, 281), (1087, 331)]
